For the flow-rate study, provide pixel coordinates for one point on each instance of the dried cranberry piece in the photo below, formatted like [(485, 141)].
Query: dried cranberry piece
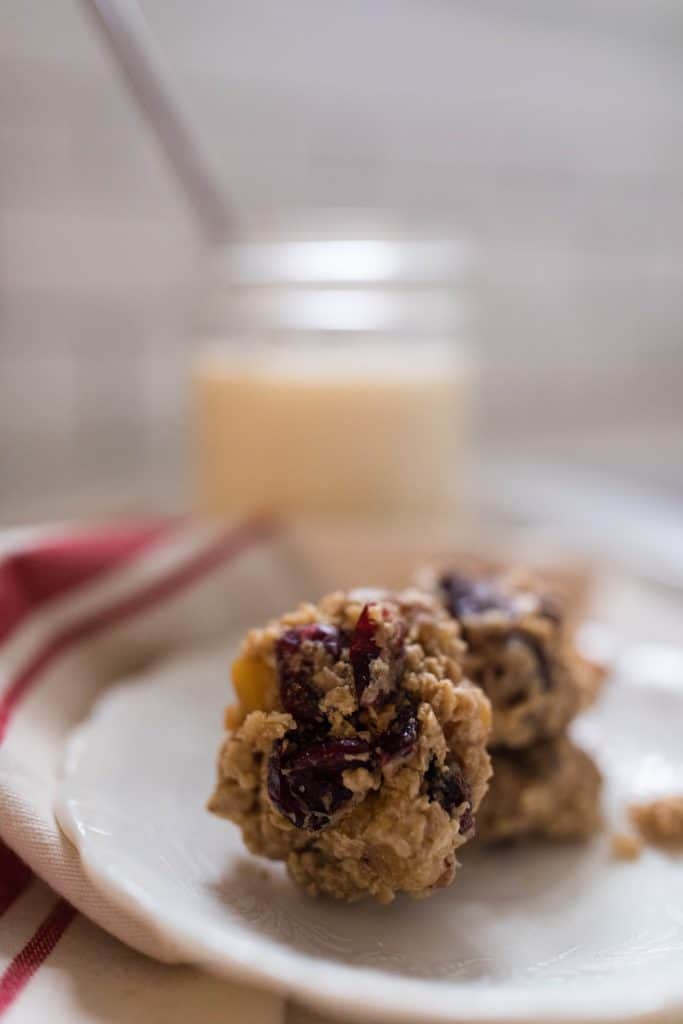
[(334, 754), (400, 738), (448, 787), (463, 596), (289, 643), (306, 784), (365, 648), (467, 823), (529, 641), (280, 792), (295, 667)]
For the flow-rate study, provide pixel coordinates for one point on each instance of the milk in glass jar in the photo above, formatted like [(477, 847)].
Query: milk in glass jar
[(333, 379)]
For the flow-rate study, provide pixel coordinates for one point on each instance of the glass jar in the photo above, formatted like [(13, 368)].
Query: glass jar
[(332, 379)]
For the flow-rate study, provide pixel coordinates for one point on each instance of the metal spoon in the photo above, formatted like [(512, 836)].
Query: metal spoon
[(145, 72)]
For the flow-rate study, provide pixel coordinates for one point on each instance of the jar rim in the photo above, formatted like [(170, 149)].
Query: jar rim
[(340, 262)]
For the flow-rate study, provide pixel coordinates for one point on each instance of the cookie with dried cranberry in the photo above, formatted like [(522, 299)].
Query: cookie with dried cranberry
[(521, 654), (550, 790), (357, 749)]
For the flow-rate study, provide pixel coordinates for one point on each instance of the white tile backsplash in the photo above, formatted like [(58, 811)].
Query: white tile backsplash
[(551, 134)]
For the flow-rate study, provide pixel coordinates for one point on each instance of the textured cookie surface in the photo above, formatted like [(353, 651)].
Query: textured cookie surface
[(550, 790), (357, 752), (521, 654)]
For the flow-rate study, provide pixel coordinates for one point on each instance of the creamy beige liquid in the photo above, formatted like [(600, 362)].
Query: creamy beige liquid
[(366, 430)]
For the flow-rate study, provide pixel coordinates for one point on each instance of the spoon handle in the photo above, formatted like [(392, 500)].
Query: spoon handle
[(146, 74)]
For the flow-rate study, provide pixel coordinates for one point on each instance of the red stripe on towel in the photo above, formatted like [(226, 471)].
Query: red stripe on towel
[(14, 877), (226, 547), (33, 577), (25, 964)]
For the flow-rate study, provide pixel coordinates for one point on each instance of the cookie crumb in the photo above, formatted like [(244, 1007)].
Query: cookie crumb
[(626, 846), (660, 822)]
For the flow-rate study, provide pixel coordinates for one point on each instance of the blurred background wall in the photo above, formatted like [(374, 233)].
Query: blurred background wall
[(550, 133)]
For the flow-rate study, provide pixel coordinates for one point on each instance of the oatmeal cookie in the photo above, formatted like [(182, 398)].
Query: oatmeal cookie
[(550, 790), (357, 750), (520, 653)]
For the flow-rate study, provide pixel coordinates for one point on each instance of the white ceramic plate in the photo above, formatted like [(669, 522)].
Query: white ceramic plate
[(536, 933)]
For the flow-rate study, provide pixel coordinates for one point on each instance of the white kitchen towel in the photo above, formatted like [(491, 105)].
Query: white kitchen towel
[(79, 608)]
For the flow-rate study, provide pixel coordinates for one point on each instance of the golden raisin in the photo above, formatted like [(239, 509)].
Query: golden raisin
[(252, 679)]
